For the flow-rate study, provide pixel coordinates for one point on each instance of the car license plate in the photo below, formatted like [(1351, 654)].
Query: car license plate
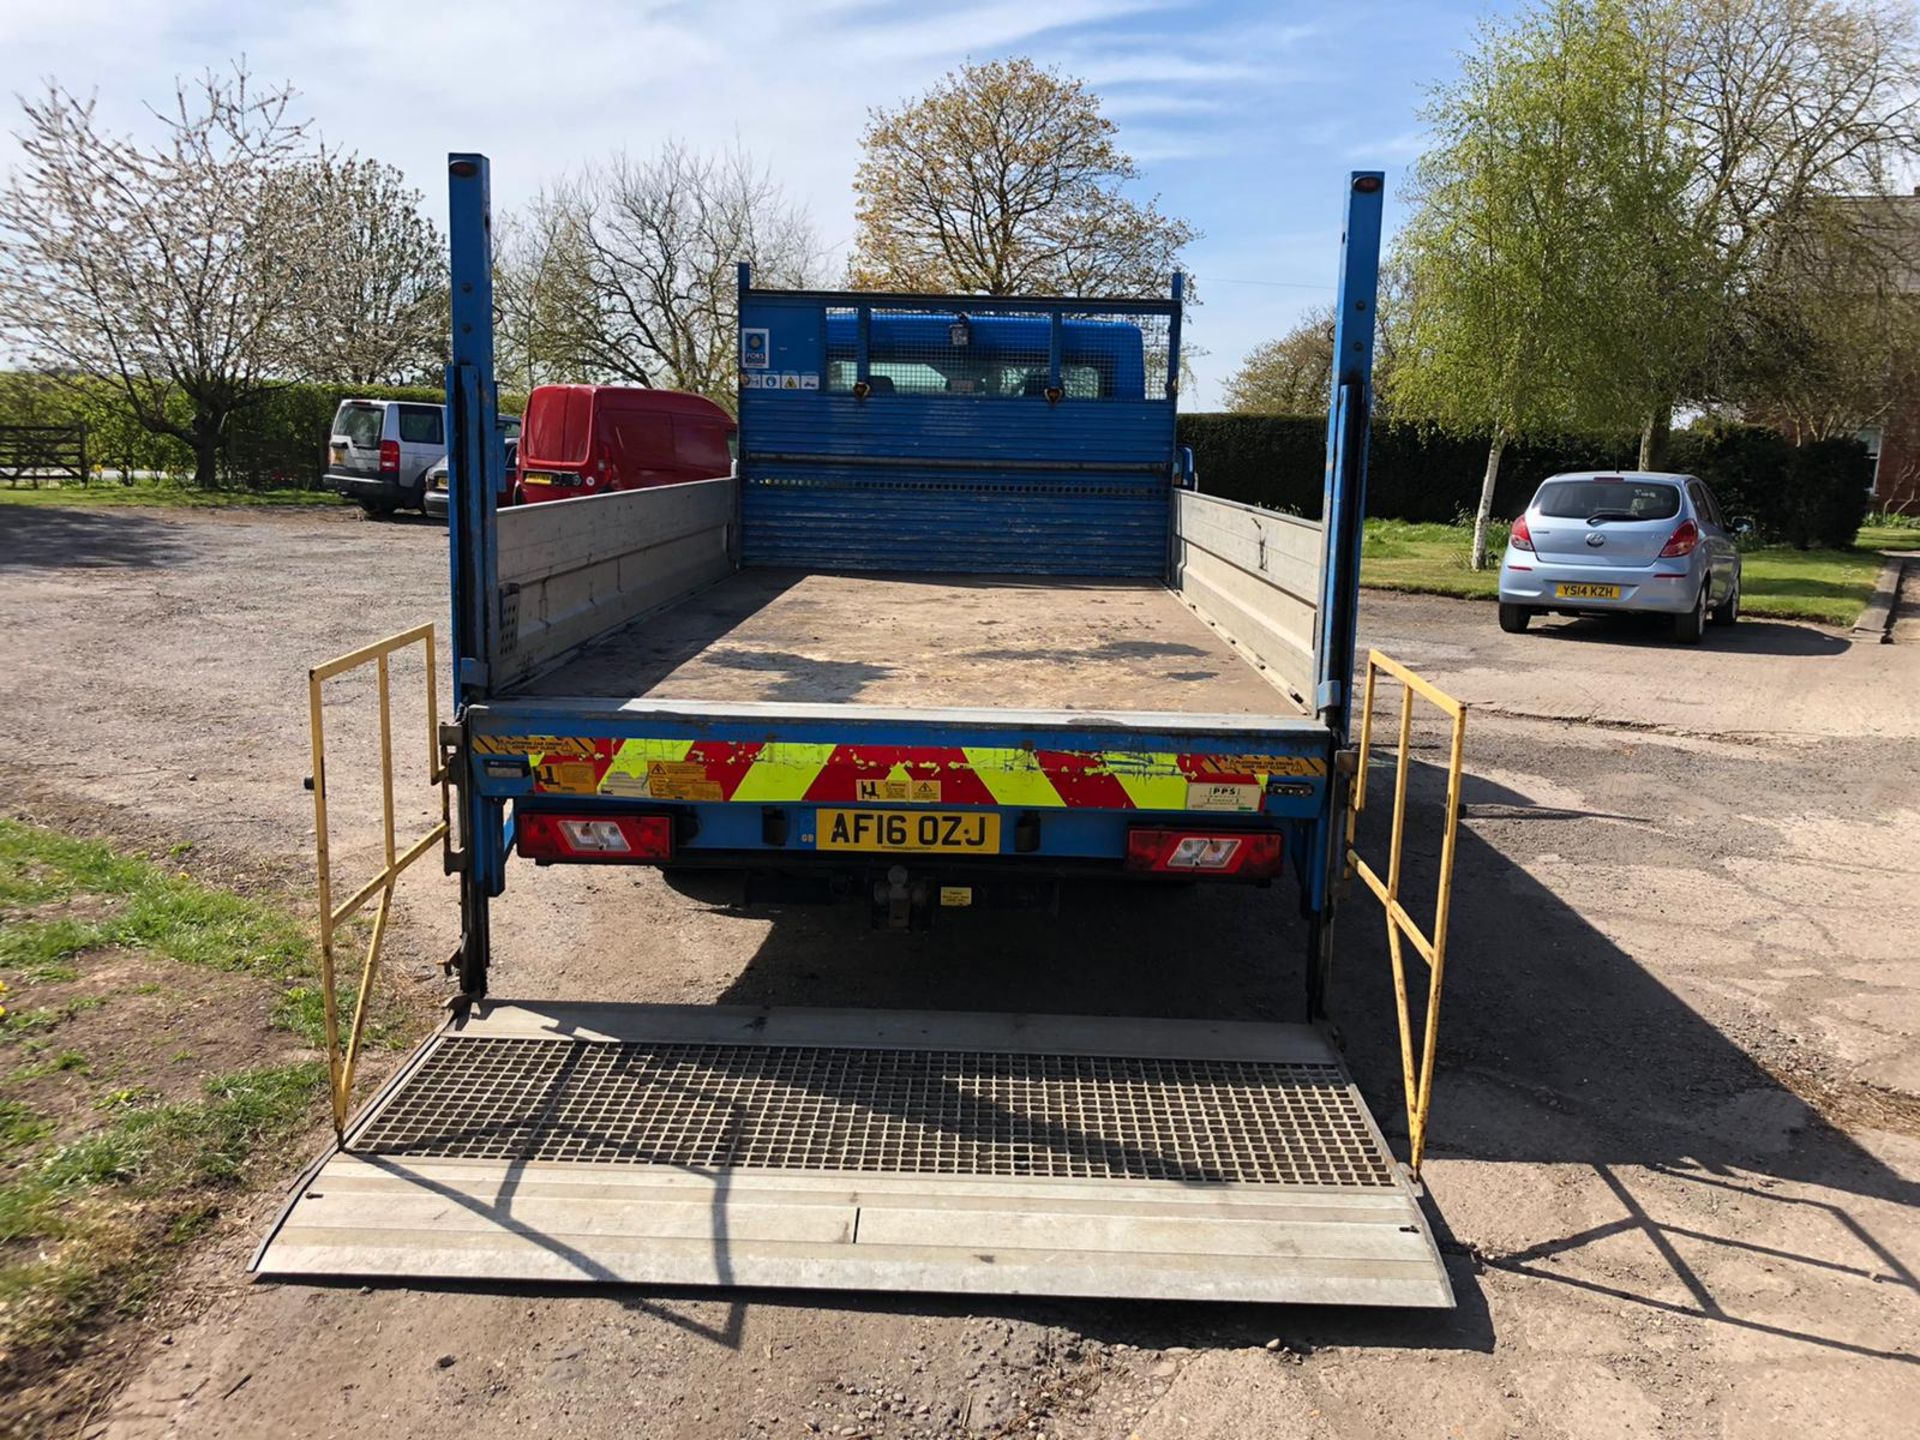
[(536, 477), (1586, 592), (907, 830)]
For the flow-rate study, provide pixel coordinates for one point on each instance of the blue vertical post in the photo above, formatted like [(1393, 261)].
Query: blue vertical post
[(1349, 413), (1342, 513), (474, 463), (1173, 336)]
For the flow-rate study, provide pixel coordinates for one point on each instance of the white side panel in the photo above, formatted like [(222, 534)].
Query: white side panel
[(572, 570), (1255, 574)]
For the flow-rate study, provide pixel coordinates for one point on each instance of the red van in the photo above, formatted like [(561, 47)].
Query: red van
[(590, 439)]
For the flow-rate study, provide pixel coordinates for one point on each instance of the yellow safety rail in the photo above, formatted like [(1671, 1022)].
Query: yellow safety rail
[(340, 1063), (1418, 1081)]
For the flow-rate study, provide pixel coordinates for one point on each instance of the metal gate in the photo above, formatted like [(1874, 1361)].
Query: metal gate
[(1403, 931)]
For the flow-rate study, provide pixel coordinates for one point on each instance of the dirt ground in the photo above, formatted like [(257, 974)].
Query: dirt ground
[(1676, 1134)]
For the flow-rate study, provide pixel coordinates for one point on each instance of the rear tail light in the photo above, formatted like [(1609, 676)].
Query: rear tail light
[(1521, 538), (1685, 536), (1250, 855), (389, 457), (544, 836)]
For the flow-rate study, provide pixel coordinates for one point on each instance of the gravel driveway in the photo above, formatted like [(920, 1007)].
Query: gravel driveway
[(1675, 1138)]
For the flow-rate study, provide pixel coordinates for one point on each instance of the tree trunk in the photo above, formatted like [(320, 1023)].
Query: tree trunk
[(1485, 511), (207, 428), (1654, 436)]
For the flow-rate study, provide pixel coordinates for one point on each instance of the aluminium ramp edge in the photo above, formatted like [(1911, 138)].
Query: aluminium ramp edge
[(870, 1150)]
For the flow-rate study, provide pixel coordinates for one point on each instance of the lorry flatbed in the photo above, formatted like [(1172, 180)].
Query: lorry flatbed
[(958, 629), (1024, 642)]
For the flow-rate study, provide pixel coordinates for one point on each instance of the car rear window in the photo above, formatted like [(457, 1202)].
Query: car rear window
[(558, 423), (422, 425), (360, 424), (1611, 499)]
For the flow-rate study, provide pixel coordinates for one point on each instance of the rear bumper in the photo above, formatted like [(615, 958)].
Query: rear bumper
[(370, 487), (1668, 588)]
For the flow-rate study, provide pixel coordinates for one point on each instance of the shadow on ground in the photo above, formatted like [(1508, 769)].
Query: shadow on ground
[(47, 538), (1749, 637), (1558, 1049)]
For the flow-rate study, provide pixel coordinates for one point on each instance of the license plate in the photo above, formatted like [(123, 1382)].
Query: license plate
[(1586, 592), (907, 830), (536, 477)]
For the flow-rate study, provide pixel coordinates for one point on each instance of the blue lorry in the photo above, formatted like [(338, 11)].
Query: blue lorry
[(959, 630)]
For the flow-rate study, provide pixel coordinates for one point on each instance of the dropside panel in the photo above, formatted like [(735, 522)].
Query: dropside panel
[(871, 1150)]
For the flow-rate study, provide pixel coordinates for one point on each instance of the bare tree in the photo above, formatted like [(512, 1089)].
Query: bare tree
[(1289, 376), (1004, 179), (171, 270), (372, 307), (1773, 107), (541, 293), (626, 272)]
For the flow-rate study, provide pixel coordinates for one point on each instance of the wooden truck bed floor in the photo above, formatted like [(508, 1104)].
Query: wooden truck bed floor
[(925, 641)]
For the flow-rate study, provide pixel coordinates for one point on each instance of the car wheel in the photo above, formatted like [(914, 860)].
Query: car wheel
[(1728, 610), (1688, 628), (519, 496), (376, 509), (1514, 618)]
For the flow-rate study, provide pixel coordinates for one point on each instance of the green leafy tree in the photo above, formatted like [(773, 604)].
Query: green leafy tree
[(1514, 252)]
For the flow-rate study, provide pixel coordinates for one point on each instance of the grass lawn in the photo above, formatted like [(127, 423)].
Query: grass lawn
[(1825, 585), (111, 494), (156, 1054)]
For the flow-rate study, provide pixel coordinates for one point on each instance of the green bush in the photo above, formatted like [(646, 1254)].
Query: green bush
[(1807, 495), (280, 441)]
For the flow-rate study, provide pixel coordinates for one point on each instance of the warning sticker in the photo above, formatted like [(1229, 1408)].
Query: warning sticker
[(567, 777), (809, 380), (790, 380), (755, 348), (681, 780), (914, 792), (1222, 795)]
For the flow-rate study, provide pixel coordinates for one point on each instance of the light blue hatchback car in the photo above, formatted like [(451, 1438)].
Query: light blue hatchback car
[(1593, 542)]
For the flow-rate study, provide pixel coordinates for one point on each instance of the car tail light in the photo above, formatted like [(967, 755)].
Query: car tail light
[(541, 835), (1685, 536), (1249, 854), (389, 457), (1521, 538)]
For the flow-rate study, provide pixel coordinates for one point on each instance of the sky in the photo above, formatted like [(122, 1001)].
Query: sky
[(1243, 116)]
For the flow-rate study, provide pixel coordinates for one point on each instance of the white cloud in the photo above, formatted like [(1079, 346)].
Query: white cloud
[(543, 88)]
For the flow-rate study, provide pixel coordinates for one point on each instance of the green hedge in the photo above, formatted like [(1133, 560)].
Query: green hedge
[(279, 441), (1806, 495)]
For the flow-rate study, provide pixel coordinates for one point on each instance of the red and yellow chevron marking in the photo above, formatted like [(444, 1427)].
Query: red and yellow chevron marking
[(753, 772)]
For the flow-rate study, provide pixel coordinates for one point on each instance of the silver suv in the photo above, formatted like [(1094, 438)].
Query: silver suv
[(1633, 540), (380, 452)]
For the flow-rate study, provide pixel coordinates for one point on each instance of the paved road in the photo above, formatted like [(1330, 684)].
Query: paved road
[(1674, 929)]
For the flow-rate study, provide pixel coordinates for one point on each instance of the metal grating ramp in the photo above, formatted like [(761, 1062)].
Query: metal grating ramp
[(870, 1150)]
